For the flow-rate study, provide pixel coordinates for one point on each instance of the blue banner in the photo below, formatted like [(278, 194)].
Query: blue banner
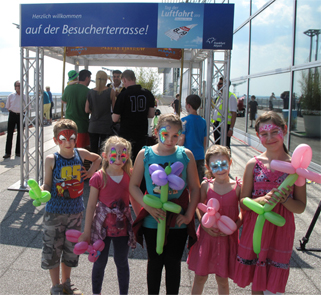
[(151, 25)]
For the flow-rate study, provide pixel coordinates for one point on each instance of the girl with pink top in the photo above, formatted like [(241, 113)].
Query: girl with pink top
[(108, 216), (215, 252), (268, 272)]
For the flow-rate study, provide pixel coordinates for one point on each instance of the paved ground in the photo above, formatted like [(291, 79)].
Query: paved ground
[(20, 240)]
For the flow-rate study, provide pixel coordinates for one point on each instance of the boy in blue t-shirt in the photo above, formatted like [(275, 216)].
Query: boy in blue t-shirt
[(64, 178), (194, 133)]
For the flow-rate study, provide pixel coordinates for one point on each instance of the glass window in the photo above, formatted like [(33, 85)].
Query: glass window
[(239, 54), (239, 88), (271, 40), (241, 12), (307, 90), (266, 89), (308, 32)]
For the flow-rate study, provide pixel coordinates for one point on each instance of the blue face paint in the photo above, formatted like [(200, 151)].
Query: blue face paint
[(219, 166)]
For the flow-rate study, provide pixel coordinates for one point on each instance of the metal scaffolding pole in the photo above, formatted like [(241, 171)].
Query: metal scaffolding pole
[(31, 141)]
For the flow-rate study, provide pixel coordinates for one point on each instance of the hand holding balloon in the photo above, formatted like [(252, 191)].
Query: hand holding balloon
[(82, 247), (213, 219), (37, 194)]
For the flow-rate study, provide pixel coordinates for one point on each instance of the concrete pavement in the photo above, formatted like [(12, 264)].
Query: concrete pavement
[(20, 240)]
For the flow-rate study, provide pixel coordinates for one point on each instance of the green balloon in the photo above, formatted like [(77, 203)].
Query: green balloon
[(274, 218), (153, 201), (257, 234), (290, 180), (254, 206), (172, 207), (160, 240)]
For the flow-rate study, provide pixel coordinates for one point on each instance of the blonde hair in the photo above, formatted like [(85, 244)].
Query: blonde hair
[(215, 150), (101, 80), (64, 124), (109, 143)]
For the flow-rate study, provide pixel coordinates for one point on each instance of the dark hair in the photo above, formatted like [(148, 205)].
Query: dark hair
[(253, 96), (118, 72), (15, 83), (275, 118), (177, 95), (221, 79), (129, 75), (83, 74), (194, 101)]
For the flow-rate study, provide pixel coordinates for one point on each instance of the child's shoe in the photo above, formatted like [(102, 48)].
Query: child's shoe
[(56, 290), (69, 288)]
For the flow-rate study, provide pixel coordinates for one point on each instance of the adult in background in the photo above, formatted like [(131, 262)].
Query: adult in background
[(117, 84), (272, 97), (75, 96), (232, 102), (46, 107), (51, 102), (13, 105), (134, 106), (253, 109), (175, 104), (98, 104)]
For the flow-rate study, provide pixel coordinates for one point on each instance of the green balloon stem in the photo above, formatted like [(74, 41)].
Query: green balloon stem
[(290, 180)]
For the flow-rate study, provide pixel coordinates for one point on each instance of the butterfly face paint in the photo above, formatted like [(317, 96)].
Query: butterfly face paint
[(112, 155), (270, 130), (164, 131), (219, 166), (120, 155), (124, 156), (66, 134)]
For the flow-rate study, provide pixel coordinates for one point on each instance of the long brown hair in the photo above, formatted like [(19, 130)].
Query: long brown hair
[(275, 118), (109, 143)]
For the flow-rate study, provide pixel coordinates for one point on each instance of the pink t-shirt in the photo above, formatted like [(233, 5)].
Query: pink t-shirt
[(113, 195)]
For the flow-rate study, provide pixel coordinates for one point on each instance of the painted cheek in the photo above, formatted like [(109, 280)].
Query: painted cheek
[(162, 133), (263, 140)]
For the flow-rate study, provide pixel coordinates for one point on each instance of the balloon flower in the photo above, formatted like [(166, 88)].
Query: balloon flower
[(94, 250), (212, 218), (297, 171), (168, 177), (37, 194)]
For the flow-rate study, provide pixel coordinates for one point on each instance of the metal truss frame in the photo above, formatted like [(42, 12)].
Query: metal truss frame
[(31, 141)]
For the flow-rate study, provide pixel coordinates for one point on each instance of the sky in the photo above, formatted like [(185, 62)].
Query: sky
[(10, 50)]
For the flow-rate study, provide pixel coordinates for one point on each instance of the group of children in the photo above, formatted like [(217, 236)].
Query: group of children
[(114, 185)]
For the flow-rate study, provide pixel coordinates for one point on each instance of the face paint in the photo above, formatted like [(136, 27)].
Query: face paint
[(112, 155), (270, 129), (162, 132), (219, 166), (66, 134), (124, 156)]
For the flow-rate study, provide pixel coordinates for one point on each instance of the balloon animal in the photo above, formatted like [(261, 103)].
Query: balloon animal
[(37, 194)]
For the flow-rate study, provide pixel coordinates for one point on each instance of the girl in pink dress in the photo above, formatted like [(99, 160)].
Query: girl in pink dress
[(268, 271), (215, 252), (108, 216)]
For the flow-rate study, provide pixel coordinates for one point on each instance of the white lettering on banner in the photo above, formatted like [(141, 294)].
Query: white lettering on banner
[(92, 30), (138, 103), (41, 16)]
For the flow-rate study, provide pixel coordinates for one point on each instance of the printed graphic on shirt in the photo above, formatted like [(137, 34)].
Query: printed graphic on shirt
[(70, 186)]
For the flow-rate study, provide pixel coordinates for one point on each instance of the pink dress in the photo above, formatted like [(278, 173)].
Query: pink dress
[(216, 255), (270, 270)]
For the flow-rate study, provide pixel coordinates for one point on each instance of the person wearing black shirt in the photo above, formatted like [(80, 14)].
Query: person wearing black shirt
[(133, 107)]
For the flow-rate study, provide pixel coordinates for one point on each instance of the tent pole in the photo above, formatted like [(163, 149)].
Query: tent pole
[(181, 83), (63, 81)]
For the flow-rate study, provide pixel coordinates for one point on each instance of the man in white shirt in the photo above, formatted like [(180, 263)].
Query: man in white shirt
[(13, 106)]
